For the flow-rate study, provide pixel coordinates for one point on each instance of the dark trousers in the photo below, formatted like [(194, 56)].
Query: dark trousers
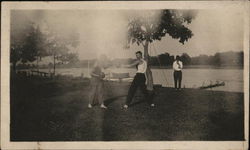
[(177, 79), (139, 81)]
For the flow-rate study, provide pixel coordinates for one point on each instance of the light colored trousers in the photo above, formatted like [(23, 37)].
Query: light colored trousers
[(96, 91)]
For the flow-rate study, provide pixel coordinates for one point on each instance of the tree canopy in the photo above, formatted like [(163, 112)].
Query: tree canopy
[(29, 43), (152, 27)]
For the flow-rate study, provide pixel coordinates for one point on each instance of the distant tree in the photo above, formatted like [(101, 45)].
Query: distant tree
[(171, 59), (153, 61), (241, 58), (164, 59), (15, 54), (186, 59), (232, 58), (17, 37), (34, 45), (146, 29), (68, 58), (201, 60), (27, 44), (217, 59), (58, 45)]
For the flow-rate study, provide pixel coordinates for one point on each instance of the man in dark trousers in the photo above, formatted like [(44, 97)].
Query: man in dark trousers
[(177, 66), (139, 81)]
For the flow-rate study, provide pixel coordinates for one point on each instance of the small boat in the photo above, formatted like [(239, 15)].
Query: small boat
[(217, 84)]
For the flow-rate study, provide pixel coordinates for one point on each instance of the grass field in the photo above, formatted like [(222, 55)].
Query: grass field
[(56, 110)]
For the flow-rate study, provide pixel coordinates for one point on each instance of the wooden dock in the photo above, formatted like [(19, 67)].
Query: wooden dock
[(36, 73)]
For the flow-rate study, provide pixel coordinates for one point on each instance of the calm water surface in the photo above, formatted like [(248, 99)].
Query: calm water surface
[(192, 78)]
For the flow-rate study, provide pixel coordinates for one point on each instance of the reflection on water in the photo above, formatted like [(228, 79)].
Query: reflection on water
[(192, 78)]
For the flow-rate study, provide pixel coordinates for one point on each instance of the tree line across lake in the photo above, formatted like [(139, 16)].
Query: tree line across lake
[(228, 59), (218, 59)]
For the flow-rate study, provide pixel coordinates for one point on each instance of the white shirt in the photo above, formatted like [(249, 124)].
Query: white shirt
[(177, 66), (141, 68)]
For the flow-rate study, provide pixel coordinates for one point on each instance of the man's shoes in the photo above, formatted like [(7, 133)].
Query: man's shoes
[(103, 106), (89, 106), (125, 106)]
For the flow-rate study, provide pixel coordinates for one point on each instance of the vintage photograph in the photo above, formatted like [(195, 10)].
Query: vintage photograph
[(124, 75)]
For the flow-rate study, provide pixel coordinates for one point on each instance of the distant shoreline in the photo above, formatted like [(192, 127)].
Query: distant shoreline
[(200, 67), (157, 67)]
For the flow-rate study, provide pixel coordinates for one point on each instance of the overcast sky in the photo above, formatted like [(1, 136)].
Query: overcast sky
[(103, 32)]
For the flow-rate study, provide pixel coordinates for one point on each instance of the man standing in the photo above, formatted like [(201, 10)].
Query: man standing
[(139, 81), (97, 85), (177, 66)]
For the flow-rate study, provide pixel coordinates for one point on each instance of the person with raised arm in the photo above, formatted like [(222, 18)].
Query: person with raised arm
[(139, 81)]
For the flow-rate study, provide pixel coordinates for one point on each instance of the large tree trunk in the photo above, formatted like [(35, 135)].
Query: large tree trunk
[(149, 75)]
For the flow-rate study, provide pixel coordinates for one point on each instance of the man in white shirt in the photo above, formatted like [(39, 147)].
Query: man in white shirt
[(139, 81), (177, 66)]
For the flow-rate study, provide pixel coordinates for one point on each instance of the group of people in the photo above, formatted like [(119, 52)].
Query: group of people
[(139, 81)]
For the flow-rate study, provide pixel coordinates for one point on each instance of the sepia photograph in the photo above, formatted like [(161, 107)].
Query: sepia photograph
[(124, 74)]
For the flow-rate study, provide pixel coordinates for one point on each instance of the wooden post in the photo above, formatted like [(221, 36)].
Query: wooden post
[(37, 63), (54, 64), (88, 70)]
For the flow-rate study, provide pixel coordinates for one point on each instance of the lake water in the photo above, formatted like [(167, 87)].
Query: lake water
[(192, 78)]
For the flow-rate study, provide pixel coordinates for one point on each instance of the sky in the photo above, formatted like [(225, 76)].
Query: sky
[(104, 31)]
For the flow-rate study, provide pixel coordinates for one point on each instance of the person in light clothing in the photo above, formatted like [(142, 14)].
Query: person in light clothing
[(97, 86), (139, 81), (177, 66)]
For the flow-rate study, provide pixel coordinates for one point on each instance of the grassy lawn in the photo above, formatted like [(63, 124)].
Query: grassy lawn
[(56, 110)]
